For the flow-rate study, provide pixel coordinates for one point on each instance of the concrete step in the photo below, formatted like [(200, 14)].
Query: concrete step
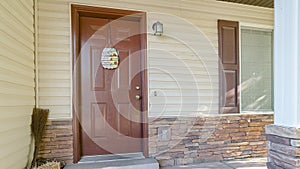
[(116, 161), (111, 157)]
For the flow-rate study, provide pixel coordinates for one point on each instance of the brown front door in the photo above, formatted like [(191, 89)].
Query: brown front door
[(109, 101)]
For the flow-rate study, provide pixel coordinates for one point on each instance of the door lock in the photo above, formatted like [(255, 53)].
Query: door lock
[(137, 87)]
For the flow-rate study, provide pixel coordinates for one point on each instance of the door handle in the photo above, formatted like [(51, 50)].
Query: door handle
[(138, 97)]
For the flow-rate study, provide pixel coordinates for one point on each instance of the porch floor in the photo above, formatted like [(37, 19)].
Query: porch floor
[(250, 163)]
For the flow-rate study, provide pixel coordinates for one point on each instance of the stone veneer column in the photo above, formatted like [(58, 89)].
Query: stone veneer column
[(284, 136)]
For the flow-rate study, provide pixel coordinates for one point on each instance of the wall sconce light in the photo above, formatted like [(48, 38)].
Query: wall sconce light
[(157, 28)]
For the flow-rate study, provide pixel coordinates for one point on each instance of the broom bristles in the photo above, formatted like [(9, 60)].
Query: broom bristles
[(39, 120), (38, 126)]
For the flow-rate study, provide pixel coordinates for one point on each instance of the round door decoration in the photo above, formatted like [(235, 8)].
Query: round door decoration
[(110, 58)]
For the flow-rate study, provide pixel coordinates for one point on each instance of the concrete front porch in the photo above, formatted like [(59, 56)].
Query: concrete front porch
[(249, 163)]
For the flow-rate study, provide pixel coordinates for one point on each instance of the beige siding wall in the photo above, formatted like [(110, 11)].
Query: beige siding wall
[(16, 81), (183, 64)]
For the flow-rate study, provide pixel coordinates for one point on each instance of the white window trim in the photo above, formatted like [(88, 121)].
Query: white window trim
[(254, 27)]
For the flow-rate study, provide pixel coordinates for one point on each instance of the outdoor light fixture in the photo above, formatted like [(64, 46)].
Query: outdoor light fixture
[(158, 28)]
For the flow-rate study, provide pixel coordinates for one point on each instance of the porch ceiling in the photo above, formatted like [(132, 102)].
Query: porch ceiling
[(262, 3)]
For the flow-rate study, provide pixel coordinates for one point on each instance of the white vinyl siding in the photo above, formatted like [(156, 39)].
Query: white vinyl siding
[(193, 86), (16, 81)]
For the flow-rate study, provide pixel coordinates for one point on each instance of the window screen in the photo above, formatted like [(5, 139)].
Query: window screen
[(256, 70)]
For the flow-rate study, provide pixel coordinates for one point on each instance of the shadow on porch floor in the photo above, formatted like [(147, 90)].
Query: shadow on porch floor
[(250, 163)]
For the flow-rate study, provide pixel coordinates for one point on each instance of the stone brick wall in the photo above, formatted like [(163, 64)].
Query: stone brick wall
[(283, 147), (57, 142), (184, 140)]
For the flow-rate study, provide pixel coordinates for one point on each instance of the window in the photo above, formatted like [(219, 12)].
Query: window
[(245, 77), (256, 70)]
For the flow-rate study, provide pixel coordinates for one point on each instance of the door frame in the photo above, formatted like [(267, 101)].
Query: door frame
[(80, 10)]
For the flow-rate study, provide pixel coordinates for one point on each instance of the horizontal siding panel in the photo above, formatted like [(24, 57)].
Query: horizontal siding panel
[(207, 22), (9, 162), (189, 64), (164, 4), (181, 100), (232, 15), (57, 101), (50, 83), (14, 134), (14, 147), (48, 23), (28, 5), (54, 23), (186, 58), (16, 100), (15, 24), (59, 2), (184, 55), (16, 34), (65, 39), (14, 123), (50, 6), (15, 55), (17, 95), (230, 6), (226, 9), (182, 114), (54, 46), (179, 109), (256, 20), (16, 67), (51, 57), (188, 53), (54, 91), (56, 66), (45, 74), (16, 78), (194, 37), (15, 43), (53, 41), (183, 78), (181, 93), (54, 14), (175, 47), (183, 71), (11, 112), (179, 85), (26, 21), (186, 49), (16, 89), (56, 32), (20, 11), (189, 42)]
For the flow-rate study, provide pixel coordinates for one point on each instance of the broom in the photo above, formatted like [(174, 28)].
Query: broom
[(38, 125)]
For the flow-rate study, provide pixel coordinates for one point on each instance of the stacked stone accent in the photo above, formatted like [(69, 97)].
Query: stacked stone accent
[(283, 147), (57, 142), (185, 140), (181, 140)]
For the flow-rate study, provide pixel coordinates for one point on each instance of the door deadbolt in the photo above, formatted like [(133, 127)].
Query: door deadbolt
[(137, 87)]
